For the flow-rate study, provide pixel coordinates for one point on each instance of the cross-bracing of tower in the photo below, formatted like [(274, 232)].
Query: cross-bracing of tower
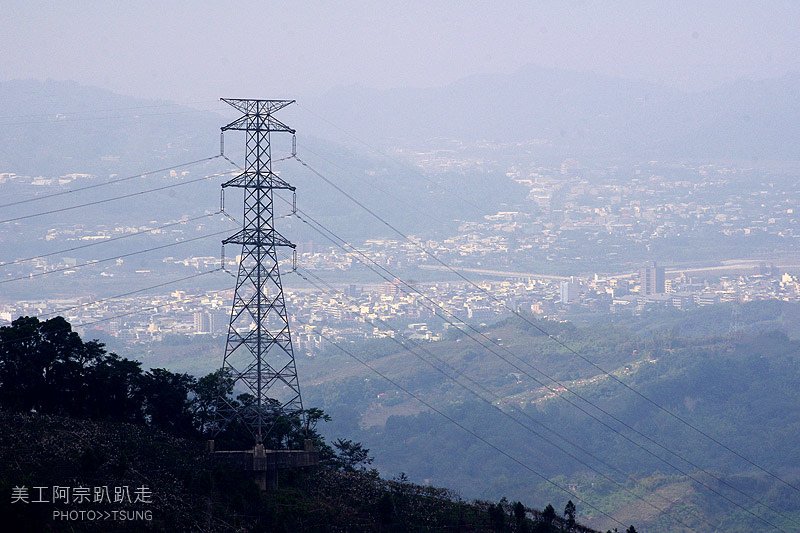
[(259, 356)]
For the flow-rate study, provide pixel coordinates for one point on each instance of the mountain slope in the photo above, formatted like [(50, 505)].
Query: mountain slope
[(57, 127), (741, 391)]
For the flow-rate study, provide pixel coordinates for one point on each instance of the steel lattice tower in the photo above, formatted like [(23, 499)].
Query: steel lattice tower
[(258, 352)]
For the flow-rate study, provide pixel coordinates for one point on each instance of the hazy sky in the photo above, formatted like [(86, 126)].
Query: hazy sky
[(188, 51)]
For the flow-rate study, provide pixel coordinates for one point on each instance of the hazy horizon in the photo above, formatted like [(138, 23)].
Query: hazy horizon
[(181, 52)]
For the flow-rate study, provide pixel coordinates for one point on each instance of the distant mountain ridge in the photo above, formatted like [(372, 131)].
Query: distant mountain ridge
[(585, 114), (580, 114), (57, 127), (53, 128)]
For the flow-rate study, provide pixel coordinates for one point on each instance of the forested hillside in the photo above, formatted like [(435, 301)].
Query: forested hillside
[(75, 416), (733, 378)]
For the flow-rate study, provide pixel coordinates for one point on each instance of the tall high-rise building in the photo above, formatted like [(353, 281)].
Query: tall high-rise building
[(651, 279), (569, 291), (202, 322)]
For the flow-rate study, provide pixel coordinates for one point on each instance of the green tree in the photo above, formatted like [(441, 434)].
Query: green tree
[(549, 514), (519, 516), (46, 367), (569, 515), (386, 508), (42, 365), (312, 417), (351, 456), (166, 400), (497, 516), (208, 398), (115, 390)]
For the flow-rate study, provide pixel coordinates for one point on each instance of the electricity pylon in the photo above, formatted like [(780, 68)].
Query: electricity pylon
[(258, 354)]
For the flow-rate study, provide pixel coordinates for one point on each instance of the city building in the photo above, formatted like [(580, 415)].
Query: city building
[(569, 291), (202, 322), (651, 279)]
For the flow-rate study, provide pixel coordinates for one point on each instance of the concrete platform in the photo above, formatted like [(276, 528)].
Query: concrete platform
[(265, 464)]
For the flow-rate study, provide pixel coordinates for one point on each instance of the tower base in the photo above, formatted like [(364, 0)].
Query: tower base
[(264, 464)]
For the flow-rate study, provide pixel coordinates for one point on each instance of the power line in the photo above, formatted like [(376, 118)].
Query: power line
[(523, 425), (461, 276), (756, 500), (156, 285), (131, 293), (544, 332), (112, 239), (112, 258), (109, 182), (557, 393), (509, 416), (471, 432), (112, 199)]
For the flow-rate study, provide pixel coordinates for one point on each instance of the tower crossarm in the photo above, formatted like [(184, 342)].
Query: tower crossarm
[(258, 123), (255, 106), (257, 115), (264, 180), (255, 237)]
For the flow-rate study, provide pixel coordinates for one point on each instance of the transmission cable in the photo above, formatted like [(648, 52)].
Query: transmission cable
[(112, 199), (111, 239), (551, 378), (113, 258), (544, 332), (469, 431), (557, 392), (131, 293), (508, 414), (109, 182)]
